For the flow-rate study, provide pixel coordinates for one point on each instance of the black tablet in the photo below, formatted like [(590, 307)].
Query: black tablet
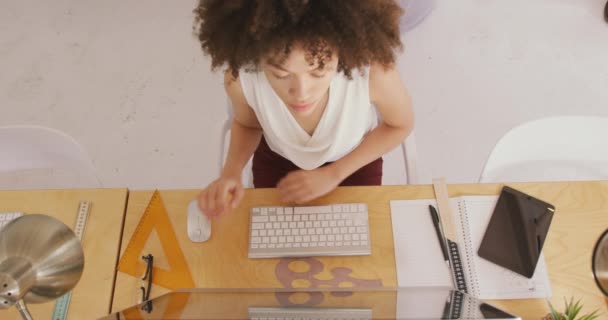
[(517, 230)]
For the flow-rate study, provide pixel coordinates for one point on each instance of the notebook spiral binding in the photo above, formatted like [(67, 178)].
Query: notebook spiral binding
[(461, 282), (468, 246), (457, 304)]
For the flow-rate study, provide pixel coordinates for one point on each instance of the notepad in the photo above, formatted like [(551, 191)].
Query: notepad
[(420, 261)]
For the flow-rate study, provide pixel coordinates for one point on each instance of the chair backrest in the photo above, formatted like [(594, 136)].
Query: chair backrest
[(247, 177), (551, 149), (400, 164), (34, 157), (415, 12)]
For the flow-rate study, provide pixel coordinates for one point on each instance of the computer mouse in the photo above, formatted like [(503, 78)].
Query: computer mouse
[(199, 226)]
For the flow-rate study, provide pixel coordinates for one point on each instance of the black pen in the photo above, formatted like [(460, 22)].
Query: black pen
[(442, 240)]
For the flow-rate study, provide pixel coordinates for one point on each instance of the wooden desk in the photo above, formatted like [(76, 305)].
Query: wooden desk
[(93, 294), (581, 216)]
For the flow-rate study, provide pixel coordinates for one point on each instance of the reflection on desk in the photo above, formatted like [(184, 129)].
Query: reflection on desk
[(381, 303)]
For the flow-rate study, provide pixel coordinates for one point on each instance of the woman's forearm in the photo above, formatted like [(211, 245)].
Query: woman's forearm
[(377, 143), (243, 142)]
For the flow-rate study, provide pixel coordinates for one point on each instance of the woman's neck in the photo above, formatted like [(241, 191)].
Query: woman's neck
[(309, 122)]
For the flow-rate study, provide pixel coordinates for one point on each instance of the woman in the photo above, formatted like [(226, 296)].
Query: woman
[(307, 80)]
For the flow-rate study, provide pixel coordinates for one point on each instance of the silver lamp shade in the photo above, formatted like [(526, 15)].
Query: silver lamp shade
[(600, 263), (41, 259)]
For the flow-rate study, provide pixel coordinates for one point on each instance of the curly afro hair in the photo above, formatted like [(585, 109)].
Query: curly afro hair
[(239, 33)]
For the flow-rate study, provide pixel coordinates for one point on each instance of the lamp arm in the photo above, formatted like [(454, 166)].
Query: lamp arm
[(25, 314)]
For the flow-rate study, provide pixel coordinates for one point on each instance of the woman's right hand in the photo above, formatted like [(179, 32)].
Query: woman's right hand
[(221, 196)]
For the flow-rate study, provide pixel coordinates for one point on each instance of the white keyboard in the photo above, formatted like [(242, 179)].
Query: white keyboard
[(6, 217), (260, 313), (330, 230)]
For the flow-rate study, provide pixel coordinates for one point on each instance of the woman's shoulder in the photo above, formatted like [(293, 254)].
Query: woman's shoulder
[(381, 78), (233, 87)]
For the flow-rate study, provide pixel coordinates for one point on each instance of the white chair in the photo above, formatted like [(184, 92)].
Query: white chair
[(34, 157), (405, 156), (563, 148), (415, 12), (401, 165), (247, 177)]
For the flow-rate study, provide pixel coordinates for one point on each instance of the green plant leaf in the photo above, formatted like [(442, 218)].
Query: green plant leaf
[(572, 310), (591, 316), (554, 313)]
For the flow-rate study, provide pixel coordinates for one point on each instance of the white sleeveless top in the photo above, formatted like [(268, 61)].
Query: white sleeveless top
[(347, 118)]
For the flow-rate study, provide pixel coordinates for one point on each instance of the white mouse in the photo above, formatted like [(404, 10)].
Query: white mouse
[(199, 226)]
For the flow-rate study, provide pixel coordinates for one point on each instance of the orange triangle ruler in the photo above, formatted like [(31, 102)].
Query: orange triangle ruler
[(156, 218)]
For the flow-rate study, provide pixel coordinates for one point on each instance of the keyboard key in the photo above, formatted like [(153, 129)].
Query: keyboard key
[(326, 209), (259, 219)]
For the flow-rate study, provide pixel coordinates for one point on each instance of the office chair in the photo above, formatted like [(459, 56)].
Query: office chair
[(415, 11), (247, 177), (551, 149), (35, 157), (404, 156)]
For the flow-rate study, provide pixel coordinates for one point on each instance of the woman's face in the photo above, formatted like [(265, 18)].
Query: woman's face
[(301, 86)]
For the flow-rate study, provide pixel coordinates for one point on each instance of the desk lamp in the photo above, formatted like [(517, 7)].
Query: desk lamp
[(599, 264), (41, 259)]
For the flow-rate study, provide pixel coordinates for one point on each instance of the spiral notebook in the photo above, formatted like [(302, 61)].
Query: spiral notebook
[(420, 261)]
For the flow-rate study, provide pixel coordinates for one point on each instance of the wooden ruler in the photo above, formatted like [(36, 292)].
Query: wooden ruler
[(156, 218), (443, 204), (61, 306), (449, 229)]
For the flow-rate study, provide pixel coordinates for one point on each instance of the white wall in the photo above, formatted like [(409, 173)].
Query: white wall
[(127, 79)]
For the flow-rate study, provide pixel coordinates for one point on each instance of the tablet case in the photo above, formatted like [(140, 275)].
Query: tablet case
[(517, 230)]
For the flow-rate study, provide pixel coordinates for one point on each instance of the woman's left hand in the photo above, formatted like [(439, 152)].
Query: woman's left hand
[(304, 185)]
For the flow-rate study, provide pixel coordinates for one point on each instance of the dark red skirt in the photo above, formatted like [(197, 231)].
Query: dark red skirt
[(269, 167)]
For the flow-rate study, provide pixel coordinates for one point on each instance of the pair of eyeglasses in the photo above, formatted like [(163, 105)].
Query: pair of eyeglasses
[(145, 291)]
